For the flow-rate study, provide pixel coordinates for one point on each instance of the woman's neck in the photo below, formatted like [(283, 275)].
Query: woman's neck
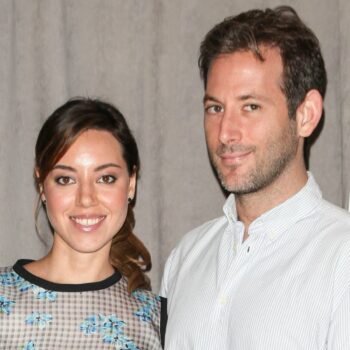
[(68, 267)]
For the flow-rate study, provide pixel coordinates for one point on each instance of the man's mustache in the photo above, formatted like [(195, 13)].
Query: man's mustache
[(231, 149)]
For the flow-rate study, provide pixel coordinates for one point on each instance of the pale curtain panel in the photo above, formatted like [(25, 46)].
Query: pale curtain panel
[(141, 55)]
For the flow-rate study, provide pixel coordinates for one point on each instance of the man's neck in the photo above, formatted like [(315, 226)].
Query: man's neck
[(251, 206)]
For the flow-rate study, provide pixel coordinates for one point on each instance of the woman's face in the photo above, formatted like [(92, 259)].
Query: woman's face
[(87, 193)]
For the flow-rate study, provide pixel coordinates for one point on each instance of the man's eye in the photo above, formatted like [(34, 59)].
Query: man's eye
[(213, 109), (107, 179), (251, 107), (64, 180)]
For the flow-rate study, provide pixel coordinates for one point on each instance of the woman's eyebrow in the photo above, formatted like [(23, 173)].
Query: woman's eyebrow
[(64, 167), (100, 167), (108, 165)]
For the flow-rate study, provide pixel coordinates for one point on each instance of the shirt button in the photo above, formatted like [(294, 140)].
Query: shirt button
[(223, 300), (235, 248), (272, 235)]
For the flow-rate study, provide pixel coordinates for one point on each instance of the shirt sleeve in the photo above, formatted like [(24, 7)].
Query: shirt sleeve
[(339, 329), (164, 287), (163, 319), (339, 332)]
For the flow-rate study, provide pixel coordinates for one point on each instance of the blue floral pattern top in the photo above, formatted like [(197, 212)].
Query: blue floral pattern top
[(36, 314)]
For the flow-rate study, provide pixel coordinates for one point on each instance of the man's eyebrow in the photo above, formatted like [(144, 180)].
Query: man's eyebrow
[(100, 167), (210, 98), (246, 97), (243, 97)]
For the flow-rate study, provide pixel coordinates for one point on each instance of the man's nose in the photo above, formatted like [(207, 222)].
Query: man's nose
[(230, 128)]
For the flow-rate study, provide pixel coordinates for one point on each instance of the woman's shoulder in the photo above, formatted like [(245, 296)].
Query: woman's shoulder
[(6, 269), (145, 296), (153, 309), (148, 305), (8, 277)]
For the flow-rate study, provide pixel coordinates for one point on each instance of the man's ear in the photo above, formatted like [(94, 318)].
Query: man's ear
[(309, 113)]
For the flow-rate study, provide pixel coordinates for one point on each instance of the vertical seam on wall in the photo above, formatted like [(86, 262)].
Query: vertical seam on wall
[(158, 20), (339, 98), (65, 48), (13, 64)]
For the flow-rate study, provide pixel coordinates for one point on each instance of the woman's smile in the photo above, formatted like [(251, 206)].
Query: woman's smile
[(87, 191)]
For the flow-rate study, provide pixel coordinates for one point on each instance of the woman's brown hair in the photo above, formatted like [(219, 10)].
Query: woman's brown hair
[(128, 254)]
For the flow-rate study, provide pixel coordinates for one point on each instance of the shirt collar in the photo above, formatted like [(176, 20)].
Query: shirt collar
[(230, 209), (280, 218)]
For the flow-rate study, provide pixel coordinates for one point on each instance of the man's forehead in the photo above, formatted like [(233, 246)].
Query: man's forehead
[(245, 62), (261, 53)]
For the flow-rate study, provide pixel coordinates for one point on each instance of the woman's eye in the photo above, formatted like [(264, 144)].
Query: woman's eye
[(251, 107), (64, 180), (213, 109), (107, 179)]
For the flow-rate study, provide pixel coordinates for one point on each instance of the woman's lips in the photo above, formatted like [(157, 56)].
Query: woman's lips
[(88, 223)]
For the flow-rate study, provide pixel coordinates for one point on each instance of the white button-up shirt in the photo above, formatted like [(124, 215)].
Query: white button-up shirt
[(286, 287)]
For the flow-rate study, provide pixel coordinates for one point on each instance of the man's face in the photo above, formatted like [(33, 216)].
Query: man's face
[(250, 138)]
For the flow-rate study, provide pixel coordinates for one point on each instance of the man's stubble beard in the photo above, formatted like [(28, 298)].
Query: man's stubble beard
[(280, 152)]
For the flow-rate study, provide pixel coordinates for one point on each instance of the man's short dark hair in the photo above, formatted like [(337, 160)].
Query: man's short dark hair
[(281, 28)]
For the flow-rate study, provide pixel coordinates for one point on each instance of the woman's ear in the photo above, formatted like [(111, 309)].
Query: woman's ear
[(132, 185), (40, 186), (309, 113), (43, 198)]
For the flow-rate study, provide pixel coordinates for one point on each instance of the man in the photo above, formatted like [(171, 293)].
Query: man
[(274, 272)]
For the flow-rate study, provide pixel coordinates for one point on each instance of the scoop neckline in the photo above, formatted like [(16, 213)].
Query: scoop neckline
[(62, 287)]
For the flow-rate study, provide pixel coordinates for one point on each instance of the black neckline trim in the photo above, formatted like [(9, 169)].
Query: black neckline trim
[(58, 287)]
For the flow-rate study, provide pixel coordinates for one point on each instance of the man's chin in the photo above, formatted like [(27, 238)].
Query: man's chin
[(238, 184), (232, 185)]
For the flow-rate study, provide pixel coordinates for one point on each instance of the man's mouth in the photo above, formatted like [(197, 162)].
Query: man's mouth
[(234, 158)]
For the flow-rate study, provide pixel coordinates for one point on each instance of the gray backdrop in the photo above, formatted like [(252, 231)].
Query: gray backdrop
[(142, 56)]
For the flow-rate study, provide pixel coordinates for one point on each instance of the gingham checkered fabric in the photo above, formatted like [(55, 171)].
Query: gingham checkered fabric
[(36, 314)]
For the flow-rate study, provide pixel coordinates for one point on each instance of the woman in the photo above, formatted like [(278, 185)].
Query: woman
[(90, 290)]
